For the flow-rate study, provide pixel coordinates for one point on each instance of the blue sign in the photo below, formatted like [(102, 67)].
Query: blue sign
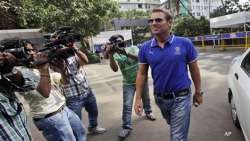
[(225, 36), (212, 37), (240, 35), (248, 34), (222, 36)]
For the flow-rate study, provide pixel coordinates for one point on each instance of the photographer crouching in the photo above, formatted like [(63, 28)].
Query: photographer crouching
[(126, 58)]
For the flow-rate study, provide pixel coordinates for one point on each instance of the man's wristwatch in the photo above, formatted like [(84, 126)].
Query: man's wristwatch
[(77, 49), (200, 93)]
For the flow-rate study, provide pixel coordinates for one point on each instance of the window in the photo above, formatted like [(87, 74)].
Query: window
[(139, 5), (197, 1), (198, 14), (246, 64)]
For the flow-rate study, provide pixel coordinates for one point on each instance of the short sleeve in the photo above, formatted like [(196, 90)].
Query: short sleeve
[(142, 55), (30, 79), (133, 50), (192, 53)]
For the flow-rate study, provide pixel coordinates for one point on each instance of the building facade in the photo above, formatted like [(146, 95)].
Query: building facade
[(145, 5), (197, 8), (176, 7), (200, 8)]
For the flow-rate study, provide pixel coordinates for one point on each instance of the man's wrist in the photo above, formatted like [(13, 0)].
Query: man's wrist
[(138, 98), (45, 75), (44, 71), (76, 49), (199, 92), (111, 56)]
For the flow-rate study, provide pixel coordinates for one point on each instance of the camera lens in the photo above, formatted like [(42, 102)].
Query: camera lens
[(122, 44)]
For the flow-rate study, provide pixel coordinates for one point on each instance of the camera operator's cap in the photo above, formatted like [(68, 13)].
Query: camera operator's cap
[(116, 37)]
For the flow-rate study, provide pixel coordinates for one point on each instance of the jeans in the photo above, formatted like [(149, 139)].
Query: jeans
[(176, 111), (128, 98), (76, 104), (63, 126)]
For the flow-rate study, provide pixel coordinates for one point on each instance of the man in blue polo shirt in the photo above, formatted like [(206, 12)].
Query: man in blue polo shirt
[(168, 56)]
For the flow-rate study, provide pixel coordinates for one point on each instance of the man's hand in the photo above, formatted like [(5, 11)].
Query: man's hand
[(138, 107), (43, 58), (197, 99), (108, 49), (121, 51), (71, 45), (8, 58)]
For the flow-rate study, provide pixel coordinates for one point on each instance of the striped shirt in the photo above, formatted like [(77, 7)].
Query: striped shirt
[(13, 120), (77, 80)]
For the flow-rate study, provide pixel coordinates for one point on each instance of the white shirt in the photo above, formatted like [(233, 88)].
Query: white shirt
[(39, 105)]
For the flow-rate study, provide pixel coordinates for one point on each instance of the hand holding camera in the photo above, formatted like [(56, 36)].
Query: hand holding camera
[(116, 45), (6, 62), (121, 51), (41, 61), (60, 45), (6, 57)]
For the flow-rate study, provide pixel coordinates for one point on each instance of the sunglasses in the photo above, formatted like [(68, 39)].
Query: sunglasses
[(30, 50), (157, 20)]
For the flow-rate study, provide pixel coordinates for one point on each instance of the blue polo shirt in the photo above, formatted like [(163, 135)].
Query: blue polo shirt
[(169, 64)]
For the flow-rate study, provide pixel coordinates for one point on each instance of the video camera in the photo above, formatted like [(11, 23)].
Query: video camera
[(117, 42), (57, 47), (17, 48), (59, 43), (63, 36)]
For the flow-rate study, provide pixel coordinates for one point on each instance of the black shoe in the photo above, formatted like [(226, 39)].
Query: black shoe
[(124, 133), (96, 130), (150, 117)]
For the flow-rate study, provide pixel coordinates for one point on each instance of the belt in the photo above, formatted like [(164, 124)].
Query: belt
[(50, 114), (170, 95)]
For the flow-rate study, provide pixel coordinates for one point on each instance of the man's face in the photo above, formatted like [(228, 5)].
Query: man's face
[(30, 50), (158, 23)]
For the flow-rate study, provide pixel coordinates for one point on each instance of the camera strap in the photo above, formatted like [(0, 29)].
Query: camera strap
[(5, 81)]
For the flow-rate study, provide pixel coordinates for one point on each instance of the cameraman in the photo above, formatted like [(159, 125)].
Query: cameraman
[(126, 59), (50, 115), (77, 90), (13, 120)]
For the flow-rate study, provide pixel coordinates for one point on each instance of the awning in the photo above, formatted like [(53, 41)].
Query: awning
[(231, 20)]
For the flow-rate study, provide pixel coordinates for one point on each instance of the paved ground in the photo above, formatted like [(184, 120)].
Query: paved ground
[(211, 121)]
